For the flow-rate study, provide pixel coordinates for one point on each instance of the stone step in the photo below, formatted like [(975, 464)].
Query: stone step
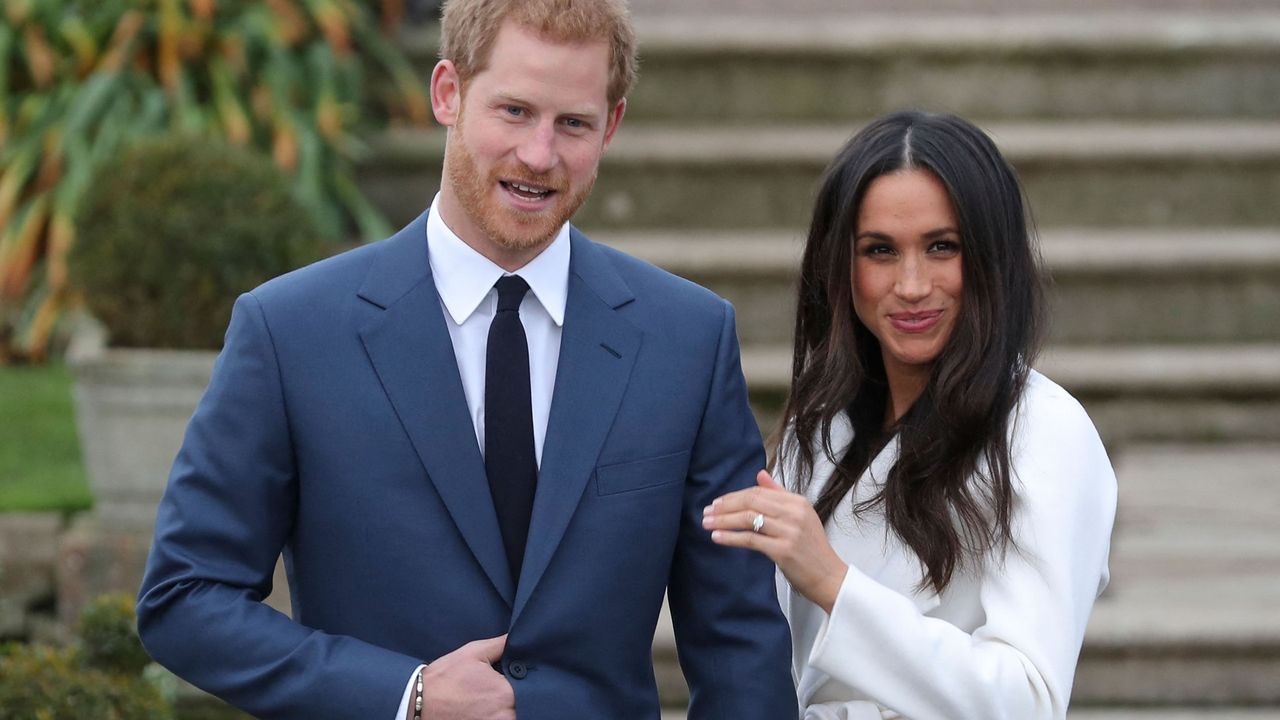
[(1093, 174), (1193, 610), (1131, 713), (1196, 393), (1217, 285), (766, 69)]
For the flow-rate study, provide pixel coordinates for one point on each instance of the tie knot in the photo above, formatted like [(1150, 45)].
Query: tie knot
[(511, 290)]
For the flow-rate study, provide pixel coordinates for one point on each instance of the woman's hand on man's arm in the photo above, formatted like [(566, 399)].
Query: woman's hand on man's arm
[(783, 526)]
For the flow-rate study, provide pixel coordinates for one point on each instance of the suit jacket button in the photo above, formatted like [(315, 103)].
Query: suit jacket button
[(517, 670)]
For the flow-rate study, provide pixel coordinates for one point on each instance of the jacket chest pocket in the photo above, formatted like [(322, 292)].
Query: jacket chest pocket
[(642, 474)]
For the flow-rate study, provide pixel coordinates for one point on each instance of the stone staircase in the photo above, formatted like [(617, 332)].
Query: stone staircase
[(1149, 145)]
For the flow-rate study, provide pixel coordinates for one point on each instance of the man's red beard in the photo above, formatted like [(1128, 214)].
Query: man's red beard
[(507, 226)]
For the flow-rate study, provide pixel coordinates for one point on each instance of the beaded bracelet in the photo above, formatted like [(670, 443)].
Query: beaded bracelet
[(417, 702)]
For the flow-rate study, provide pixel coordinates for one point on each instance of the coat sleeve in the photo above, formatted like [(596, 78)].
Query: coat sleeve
[(225, 516), (732, 640), (1020, 663)]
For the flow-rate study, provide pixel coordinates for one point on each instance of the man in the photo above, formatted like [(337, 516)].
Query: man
[(484, 443)]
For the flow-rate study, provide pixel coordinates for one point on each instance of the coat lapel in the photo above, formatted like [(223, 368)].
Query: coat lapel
[(409, 346), (597, 352)]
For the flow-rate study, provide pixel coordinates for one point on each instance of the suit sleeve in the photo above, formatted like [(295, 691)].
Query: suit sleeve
[(1020, 663), (732, 640), (224, 518)]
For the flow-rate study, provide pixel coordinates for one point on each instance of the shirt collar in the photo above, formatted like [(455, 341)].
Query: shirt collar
[(463, 277)]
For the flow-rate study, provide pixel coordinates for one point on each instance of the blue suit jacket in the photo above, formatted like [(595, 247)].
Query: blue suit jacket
[(335, 429)]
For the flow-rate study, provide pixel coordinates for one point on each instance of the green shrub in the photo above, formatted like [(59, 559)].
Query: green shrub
[(109, 636), (99, 679), (174, 229)]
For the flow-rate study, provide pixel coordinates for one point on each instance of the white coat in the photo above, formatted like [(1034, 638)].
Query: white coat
[(1003, 639)]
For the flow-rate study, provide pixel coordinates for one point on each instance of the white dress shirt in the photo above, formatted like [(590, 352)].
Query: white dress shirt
[(464, 280), (1002, 640)]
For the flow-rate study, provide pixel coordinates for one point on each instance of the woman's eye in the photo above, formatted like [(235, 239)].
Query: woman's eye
[(945, 246)]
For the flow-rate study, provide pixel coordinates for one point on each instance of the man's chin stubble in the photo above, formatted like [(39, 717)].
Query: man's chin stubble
[(537, 235), (487, 212), (516, 241)]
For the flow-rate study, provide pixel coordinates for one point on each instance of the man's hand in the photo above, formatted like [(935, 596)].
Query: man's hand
[(464, 686)]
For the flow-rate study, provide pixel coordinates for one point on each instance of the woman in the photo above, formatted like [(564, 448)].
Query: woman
[(952, 512)]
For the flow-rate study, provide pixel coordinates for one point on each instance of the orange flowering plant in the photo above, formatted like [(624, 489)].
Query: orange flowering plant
[(79, 79)]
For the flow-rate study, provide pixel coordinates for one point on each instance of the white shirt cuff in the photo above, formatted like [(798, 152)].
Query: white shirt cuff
[(408, 691)]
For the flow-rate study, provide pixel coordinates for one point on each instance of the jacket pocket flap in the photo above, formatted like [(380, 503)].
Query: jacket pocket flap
[(640, 474)]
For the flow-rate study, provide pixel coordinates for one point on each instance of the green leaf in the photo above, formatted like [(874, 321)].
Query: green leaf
[(371, 223), (310, 183), (88, 100), (6, 50)]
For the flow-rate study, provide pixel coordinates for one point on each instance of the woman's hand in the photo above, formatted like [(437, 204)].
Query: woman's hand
[(787, 530)]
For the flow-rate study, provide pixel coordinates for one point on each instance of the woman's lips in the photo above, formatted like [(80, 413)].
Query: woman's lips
[(915, 322)]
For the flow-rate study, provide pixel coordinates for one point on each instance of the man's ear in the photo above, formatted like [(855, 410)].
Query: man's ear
[(614, 120), (446, 93)]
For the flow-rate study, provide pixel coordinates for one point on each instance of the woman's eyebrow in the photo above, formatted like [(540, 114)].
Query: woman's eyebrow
[(872, 235)]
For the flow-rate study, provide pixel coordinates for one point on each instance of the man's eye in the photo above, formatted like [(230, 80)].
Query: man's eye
[(514, 110), (574, 123)]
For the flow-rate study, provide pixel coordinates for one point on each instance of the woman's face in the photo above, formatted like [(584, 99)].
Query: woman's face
[(907, 276)]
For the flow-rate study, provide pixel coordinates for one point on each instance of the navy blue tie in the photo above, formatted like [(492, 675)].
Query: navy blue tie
[(509, 458)]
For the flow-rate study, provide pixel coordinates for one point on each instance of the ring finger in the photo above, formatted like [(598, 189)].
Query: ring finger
[(739, 520)]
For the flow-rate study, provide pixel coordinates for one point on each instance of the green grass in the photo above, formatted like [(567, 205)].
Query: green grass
[(40, 466)]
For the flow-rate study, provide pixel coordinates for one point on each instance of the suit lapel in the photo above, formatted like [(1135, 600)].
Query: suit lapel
[(409, 346), (597, 352)]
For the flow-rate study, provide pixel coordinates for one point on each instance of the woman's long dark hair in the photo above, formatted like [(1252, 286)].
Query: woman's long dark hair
[(950, 495)]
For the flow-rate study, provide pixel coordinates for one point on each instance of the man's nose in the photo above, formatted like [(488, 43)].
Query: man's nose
[(538, 149)]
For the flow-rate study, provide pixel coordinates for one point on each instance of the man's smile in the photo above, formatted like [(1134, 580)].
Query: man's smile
[(526, 192)]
